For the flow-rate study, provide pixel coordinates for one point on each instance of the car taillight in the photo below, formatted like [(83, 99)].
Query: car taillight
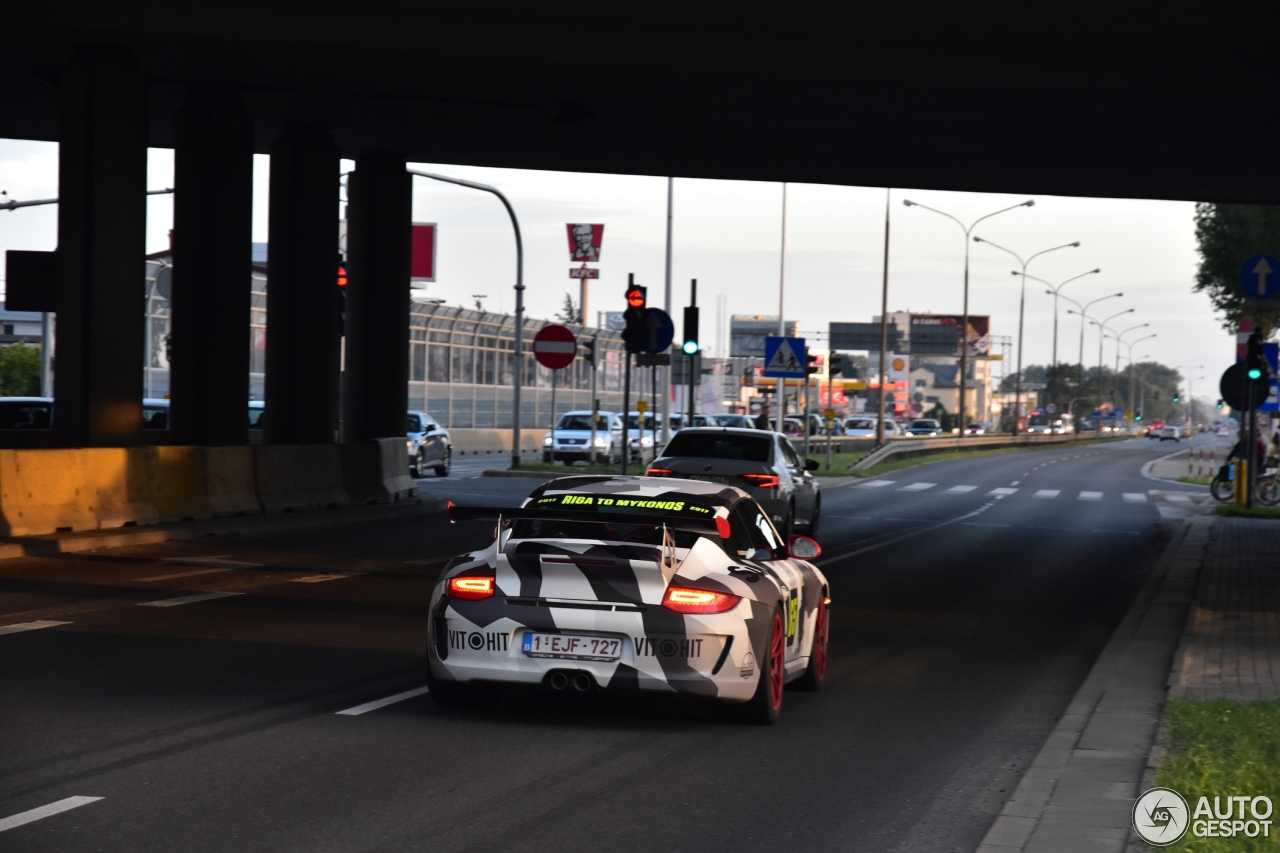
[(659, 472), (762, 481), (471, 587), (683, 599)]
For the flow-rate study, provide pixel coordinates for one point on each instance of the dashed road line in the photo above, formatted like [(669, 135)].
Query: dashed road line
[(959, 490), (381, 703), (188, 599), (1048, 493), (175, 575), (42, 812), (1002, 491), (19, 627), (1135, 497), (1090, 496), (876, 484), (917, 487)]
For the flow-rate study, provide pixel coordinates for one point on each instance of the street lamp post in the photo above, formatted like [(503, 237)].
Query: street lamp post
[(1132, 371), (964, 331), (518, 353), (1102, 330), (1083, 311), (1053, 291), (1190, 380), (1022, 310), (1119, 339)]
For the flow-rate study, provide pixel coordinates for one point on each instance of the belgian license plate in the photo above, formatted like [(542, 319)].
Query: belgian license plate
[(572, 647), (724, 481)]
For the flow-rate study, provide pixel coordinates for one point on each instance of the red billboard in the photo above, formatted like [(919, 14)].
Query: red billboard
[(422, 256), (584, 241)]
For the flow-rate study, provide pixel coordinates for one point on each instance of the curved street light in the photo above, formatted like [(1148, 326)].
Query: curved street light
[(1102, 329), (1053, 291), (964, 331), (1022, 309), (519, 330), (1083, 311), (1132, 370)]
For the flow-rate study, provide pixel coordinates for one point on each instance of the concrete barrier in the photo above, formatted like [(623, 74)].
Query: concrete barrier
[(173, 481), (377, 471), (300, 476), (907, 447), (84, 488), (481, 442), (231, 478)]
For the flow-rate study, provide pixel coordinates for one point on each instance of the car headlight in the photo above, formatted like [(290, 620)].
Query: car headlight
[(601, 441), (546, 442), (409, 444)]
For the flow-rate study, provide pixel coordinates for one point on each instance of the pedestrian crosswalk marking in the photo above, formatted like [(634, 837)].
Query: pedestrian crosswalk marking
[(1177, 499), (1091, 496), (917, 487), (1003, 490), (1135, 497), (876, 484), (959, 490), (1048, 493)]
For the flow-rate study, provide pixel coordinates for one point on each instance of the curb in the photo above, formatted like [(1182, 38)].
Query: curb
[(522, 475), (1079, 792), (70, 543)]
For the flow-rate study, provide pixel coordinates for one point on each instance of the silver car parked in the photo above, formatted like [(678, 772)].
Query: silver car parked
[(429, 445), (765, 464)]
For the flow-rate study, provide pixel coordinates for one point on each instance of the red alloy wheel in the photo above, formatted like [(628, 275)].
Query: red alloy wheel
[(820, 642), (777, 663)]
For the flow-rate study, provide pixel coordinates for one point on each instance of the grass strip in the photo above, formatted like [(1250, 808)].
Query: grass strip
[(1222, 748), (1248, 512), (1196, 481)]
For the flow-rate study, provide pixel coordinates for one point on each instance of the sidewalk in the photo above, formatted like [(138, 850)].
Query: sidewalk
[(1205, 624)]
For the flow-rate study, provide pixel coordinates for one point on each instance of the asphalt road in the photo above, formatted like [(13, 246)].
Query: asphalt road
[(963, 620)]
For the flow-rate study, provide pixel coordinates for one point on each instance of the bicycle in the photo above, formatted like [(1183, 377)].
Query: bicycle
[(1266, 490)]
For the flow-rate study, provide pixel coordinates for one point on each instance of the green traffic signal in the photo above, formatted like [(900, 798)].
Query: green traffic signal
[(1254, 373), (690, 347)]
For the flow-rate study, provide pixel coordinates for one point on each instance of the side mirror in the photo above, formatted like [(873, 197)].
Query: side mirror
[(426, 428), (811, 465), (803, 548)]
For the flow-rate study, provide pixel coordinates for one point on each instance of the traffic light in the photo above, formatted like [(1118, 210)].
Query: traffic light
[(811, 363), (691, 346), (1255, 365), (1175, 398), (1219, 404), (633, 316), (1137, 415), (841, 365), (588, 350)]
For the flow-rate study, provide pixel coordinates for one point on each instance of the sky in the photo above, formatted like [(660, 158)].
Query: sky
[(728, 234)]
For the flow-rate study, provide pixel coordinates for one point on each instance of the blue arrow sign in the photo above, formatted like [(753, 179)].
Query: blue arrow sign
[(659, 331), (1260, 277), (784, 358)]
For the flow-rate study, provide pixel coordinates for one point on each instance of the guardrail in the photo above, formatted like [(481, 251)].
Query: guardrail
[(907, 447)]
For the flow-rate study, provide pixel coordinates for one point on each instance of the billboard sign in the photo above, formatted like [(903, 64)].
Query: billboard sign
[(939, 334), (422, 255), (584, 241)]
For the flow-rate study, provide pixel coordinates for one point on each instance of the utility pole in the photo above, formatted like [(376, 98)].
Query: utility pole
[(782, 303), (884, 322), (693, 357), (666, 304)]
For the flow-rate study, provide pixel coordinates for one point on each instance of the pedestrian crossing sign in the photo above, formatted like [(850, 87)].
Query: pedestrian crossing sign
[(784, 358)]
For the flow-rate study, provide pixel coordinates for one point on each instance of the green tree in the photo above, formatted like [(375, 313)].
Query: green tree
[(19, 371), (1228, 235), (569, 313)]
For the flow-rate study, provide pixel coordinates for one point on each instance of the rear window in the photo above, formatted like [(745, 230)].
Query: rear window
[(717, 445), (925, 424), (581, 422), (862, 423)]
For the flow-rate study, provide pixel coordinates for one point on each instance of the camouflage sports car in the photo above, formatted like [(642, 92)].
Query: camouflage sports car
[(632, 583)]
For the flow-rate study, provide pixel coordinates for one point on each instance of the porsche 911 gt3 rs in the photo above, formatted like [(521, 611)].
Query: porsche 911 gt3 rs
[(632, 584)]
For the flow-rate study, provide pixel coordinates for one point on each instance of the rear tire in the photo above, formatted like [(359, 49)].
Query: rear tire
[(443, 470), (450, 694), (813, 519), (1267, 491), (1222, 490), (816, 673), (766, 704)]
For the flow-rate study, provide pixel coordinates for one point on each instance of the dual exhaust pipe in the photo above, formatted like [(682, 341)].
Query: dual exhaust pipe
[(579, 682)]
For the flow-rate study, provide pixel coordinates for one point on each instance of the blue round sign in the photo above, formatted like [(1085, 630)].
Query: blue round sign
[(659, 331), (1260, 277)]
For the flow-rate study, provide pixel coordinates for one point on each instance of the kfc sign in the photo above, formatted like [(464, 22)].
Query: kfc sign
[(584, 242)]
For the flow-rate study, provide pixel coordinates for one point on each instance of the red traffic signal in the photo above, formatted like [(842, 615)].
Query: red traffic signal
[(342, 276), (636, 296)]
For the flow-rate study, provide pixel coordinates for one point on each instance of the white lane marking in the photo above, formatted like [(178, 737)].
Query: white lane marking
[(187, 599), (19, 627), (917, 487), (1090, 496), (332, 576), (1048, 493), (1176, 498), (877, 484), (382, 703), (1016, 482), (1135, 497), (959, 490), (1003, 490), (216, 561), (45, 811), (189, 574)]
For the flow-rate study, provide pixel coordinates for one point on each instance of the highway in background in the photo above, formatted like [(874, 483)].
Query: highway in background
[(265, 693)]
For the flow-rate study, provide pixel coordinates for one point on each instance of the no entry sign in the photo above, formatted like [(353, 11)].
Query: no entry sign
[(555, 347)]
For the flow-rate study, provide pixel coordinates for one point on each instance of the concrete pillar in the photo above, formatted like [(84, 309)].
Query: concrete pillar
[(212, 234), (303, 321), (102, 216), (375, 392)]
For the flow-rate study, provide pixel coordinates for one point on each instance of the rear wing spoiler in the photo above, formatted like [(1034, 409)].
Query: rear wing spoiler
[(718, 526)]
